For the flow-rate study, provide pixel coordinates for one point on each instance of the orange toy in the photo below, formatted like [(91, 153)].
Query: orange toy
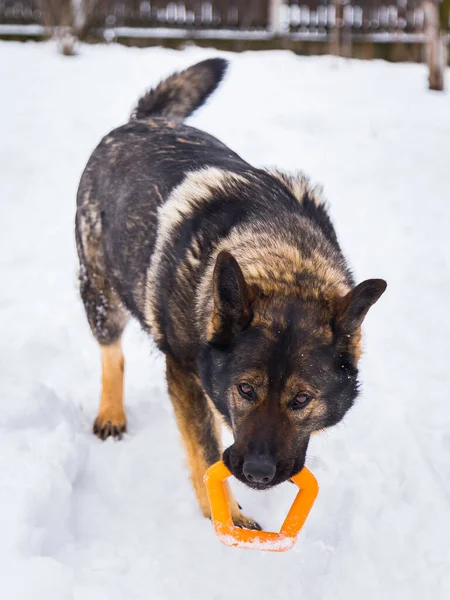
[(231, 535)]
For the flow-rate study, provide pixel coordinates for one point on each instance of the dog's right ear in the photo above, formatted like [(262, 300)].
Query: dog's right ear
[(232, 303), (352, 308)]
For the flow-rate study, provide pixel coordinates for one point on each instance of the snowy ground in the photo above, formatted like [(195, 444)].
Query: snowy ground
[(86, 520)]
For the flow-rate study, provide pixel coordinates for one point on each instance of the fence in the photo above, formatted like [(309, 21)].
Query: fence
[(348, 27), (303, 18)]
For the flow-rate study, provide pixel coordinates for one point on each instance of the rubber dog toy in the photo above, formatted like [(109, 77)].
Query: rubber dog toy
[(271, 541)]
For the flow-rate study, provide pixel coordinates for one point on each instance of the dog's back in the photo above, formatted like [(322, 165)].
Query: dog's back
[(131, 173)]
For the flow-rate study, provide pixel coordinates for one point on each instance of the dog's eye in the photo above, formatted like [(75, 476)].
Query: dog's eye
[(246, 391), (300, 400)]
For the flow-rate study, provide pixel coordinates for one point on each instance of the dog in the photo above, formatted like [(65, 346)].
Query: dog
[(237, 274)]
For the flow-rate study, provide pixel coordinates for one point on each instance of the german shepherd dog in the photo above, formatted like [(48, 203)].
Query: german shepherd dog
[(237, 274)]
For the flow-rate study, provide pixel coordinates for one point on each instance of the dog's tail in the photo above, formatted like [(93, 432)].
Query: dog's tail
[(178, 96)]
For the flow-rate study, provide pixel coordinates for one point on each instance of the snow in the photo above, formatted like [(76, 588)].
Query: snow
[(82, 519)]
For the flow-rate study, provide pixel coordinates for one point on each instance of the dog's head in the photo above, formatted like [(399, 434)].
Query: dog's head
[(279, 368)]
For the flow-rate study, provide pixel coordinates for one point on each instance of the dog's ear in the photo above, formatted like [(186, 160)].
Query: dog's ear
[(351, 309), (232, 300)]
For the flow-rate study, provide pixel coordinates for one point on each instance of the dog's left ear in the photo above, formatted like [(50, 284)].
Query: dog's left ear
[(232, 302), (352, 308)]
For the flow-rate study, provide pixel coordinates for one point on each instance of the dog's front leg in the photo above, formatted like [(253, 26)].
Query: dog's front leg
[(200, 432)]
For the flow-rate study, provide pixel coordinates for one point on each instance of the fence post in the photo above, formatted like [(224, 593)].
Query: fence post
[(275, 24), (347, 37), (436, 44), (336, 30)]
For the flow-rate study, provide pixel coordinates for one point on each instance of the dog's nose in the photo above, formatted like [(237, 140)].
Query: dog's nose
[(259, 470)]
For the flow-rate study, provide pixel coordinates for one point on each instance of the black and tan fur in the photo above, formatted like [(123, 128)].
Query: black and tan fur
[(237, 274)]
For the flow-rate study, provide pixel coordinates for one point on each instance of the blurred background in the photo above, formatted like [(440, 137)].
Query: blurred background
[(396, 30)]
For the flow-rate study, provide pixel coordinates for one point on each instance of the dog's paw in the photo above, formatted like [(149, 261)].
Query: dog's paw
[(108, 425), (244, 522)]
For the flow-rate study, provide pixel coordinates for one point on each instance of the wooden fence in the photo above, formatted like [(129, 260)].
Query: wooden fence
[(358, 17), (305, 17)]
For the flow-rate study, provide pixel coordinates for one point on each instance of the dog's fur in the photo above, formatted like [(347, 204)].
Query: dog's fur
[(237, 274)]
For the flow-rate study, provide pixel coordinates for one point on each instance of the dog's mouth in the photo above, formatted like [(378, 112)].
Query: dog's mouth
[(236, 468), (261, 487)]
